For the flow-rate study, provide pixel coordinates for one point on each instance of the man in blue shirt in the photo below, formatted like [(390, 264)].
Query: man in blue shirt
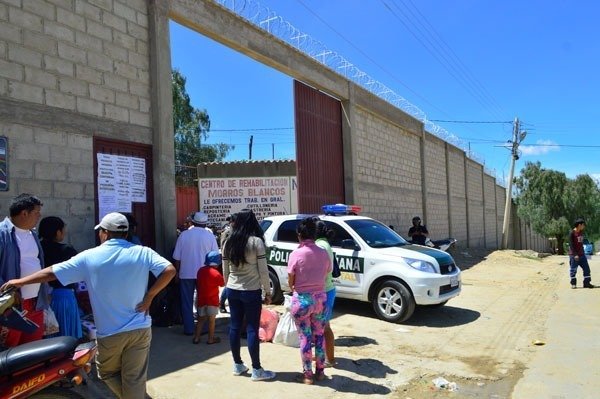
[(116, 274)]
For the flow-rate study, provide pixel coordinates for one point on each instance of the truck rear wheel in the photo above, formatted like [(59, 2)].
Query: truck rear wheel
[(277, 294), (393, 302)]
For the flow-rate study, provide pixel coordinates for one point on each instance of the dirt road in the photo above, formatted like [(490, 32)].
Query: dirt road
[(483, 341)]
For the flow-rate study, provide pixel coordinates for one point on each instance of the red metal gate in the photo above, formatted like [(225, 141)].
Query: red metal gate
[(142, 211), (319, 151), (188, 201)]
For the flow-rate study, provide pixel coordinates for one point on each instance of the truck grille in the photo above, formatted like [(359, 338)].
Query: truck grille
[(448, 269)]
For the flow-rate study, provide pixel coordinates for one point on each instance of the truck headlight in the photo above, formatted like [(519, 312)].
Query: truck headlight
[(421, 265)]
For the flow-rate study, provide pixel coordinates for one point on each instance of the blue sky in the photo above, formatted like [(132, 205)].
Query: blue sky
[(535, 60)]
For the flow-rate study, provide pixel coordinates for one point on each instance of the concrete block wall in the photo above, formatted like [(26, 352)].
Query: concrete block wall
[(490, 212), (56, 167), (500, 204), (474, 177), (90, 57), (388, 171), (436, 184), (70, 70), (458, 195)]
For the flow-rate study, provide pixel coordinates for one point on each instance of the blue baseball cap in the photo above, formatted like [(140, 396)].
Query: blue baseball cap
[(213, 258)]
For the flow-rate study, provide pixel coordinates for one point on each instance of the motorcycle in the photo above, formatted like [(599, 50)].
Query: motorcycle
[(39, 369), (444, 245)]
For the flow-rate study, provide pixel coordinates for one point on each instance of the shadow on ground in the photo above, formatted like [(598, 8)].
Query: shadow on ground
[(466, 258), (170, 343)]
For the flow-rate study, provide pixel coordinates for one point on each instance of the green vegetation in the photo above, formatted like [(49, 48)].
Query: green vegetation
[(191, 126), (550, 202)]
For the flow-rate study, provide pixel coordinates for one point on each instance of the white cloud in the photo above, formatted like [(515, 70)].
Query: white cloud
[(541, 147)]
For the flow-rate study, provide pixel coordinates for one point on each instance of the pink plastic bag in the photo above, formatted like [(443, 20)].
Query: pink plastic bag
[(268, 324)]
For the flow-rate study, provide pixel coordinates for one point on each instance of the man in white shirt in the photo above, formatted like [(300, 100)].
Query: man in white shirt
[(21, 255), (190, 252)]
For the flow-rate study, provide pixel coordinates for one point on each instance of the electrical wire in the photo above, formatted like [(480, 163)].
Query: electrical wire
[(371, 59), (440, 58), (446, 47)]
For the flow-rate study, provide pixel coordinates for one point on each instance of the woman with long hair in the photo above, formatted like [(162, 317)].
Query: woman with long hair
[(52, 231), (323, 235), (307, 267), (246, 275)]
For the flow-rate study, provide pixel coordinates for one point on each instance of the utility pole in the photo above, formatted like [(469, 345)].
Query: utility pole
[(518, 137), (273, 150), (250, 147)]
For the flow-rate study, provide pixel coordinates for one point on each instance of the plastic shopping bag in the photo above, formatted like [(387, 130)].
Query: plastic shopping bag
[(50, 322), (268, 324), (286, 332)]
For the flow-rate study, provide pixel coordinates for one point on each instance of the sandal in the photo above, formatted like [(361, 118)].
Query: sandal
[(196, 341), (215, 340)]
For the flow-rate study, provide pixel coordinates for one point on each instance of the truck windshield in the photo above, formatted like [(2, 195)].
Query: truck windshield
[(376, 234)]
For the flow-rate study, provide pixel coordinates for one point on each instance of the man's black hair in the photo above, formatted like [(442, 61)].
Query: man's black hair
[(24, 202), (578, 222)]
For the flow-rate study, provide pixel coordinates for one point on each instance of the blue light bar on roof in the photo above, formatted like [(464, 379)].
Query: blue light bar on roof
[(341, 209)]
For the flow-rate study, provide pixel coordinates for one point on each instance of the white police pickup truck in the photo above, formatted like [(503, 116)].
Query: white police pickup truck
[(377, 265)]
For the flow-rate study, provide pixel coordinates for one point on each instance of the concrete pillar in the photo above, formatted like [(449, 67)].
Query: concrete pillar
[(163, 149), (484, 207), (423, 176), (348, 124), (448, 190), (467, 197)]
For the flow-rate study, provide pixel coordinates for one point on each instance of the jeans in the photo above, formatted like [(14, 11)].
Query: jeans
[(587, 278), (223, 297), (187, 287), (245, 304)]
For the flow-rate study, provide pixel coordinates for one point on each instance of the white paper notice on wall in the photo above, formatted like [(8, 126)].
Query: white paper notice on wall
[(121, 181)]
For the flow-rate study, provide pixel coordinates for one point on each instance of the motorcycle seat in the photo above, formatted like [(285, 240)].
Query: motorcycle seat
[(26, 355)]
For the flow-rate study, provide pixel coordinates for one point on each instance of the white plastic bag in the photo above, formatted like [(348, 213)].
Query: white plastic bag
[(286, 332), (50, 322)]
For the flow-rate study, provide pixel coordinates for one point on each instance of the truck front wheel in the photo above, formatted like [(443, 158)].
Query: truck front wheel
[(393, 302)]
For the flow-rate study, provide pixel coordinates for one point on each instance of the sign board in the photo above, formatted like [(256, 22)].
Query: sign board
[(266, 196), (121, 181)]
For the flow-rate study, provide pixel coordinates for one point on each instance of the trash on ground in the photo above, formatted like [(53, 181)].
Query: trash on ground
[(537, 342), (442, 383)]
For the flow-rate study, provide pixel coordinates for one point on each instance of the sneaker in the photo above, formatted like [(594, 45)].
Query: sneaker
[(573, 286), (239, 369), (589, 285), (330, 364), (262, 374), (320, 376)]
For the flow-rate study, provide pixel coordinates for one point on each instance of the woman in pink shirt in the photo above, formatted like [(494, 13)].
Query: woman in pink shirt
[(307, 267)]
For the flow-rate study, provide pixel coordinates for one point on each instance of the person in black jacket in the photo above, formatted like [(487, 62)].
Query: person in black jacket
[(418, 233)]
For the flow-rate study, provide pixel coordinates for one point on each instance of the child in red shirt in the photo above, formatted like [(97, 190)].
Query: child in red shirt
[(208, 282)]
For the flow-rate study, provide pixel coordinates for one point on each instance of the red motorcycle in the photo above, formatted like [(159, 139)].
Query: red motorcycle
[(39, 369)]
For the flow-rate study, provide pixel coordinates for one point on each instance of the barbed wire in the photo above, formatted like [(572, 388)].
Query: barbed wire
[(264, 18)]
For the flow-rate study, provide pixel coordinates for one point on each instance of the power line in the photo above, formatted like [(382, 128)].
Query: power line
[(453, 54), (370, 58), (251, 129), (449, 121), (443, 61), (555, 145)]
